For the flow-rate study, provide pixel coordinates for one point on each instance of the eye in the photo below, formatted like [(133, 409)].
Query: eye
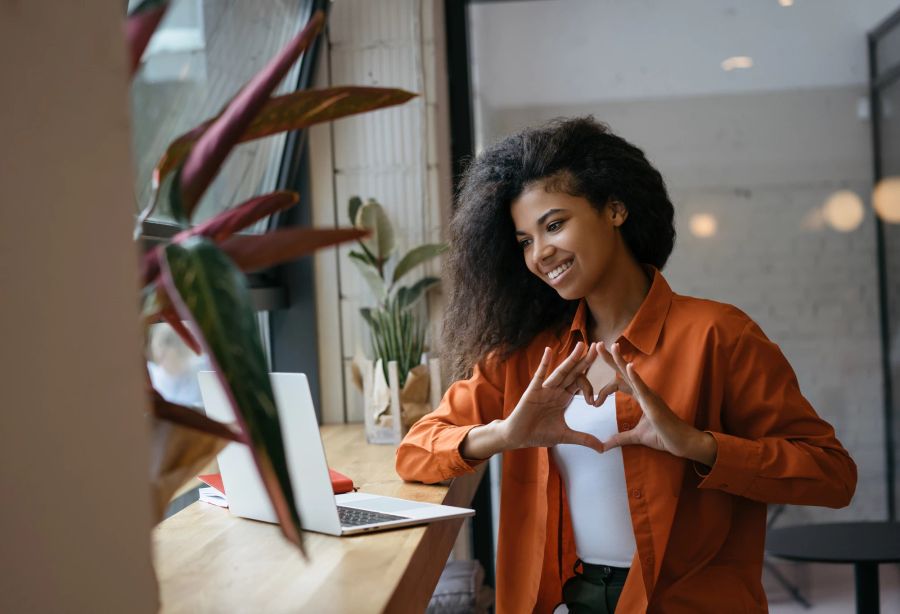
[(524, 243), (554, 226)]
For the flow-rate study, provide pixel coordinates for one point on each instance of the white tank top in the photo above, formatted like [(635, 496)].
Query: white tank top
[(595, 485)]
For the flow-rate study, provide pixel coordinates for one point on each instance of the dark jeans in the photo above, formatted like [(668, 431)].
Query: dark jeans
[(594, 590)]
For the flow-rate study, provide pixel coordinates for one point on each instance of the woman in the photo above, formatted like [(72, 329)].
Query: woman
[(633, 482)]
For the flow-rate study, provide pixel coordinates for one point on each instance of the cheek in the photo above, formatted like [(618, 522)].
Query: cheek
[(529, 263)]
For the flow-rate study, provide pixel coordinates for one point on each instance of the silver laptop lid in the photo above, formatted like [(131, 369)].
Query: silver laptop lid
[(308, 468)]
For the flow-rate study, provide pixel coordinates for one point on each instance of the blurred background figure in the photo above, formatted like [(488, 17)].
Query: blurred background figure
[(173, 367)]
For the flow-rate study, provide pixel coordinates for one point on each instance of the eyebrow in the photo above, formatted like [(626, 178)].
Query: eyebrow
[(542, 219)]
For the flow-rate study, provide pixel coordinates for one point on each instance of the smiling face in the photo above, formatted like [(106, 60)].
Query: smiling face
[(566, 242)]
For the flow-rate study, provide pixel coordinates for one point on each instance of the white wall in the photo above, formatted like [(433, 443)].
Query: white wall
[(559, 52), (762, 162), (76, 512), (399, 156)]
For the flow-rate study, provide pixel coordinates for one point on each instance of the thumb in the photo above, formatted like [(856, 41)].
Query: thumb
[(584, 439), (618, 440)]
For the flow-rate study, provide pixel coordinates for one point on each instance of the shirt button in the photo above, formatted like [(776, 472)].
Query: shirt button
[(636, 493), (626, 426)]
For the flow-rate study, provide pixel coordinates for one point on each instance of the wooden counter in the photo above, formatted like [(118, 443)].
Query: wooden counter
[(208, 561)]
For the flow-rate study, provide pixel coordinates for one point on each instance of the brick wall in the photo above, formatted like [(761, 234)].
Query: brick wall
[(762, 164), (399, 156)]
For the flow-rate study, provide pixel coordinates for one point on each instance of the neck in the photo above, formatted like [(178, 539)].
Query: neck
[(613, 303)]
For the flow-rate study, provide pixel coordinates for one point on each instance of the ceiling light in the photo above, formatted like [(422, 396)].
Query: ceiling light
[(843, 211), (886, 199), (703, 225), (786, 2), (738, 61)]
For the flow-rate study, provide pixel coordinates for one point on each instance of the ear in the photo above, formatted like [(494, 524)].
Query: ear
[(617, 211)]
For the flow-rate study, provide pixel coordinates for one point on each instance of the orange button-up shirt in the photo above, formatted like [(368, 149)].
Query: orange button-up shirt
[(699, 531)]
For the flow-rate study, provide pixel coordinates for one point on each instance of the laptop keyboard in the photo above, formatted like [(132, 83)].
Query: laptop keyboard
[(351, 517)]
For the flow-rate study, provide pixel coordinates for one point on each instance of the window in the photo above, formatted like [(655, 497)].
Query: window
[(199, 57)]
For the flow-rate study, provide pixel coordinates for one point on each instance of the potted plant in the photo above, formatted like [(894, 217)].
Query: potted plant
[(396, 389), (198, 276)]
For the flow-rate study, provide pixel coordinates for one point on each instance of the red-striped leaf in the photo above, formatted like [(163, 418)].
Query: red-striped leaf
[(223, 225), (209, 152), (140, 26), (170, 316), (255, 252), (290, 112), (192, 419), (206, 287)]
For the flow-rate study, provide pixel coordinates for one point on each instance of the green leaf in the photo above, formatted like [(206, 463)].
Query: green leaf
[(364, 257), (417, 256), (367, 316), (370, 274), (407, 297), (355, 204), (206, 286), (372, 217)]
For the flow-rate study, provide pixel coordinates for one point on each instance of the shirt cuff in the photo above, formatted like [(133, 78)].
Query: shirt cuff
[(454, 463), (737, 464)]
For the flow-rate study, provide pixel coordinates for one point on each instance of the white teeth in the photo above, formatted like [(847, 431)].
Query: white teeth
[(560, 270)]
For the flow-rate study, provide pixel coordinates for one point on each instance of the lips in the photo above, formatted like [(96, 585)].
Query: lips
[(559, 270)]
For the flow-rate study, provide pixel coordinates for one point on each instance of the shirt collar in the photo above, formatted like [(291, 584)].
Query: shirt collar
[(645, 327)]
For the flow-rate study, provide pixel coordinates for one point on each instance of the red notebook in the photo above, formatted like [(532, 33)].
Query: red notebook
[(339, 482)]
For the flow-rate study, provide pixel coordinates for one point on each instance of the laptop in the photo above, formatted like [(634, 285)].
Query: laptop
[(320, 509)]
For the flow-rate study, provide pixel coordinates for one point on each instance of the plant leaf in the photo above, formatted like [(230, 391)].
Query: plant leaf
[(209, 152), (240, 217), (170, 317), (192, 419), (255, 252), (370, 274), (407, 297), (290, 112), (223, 225), (353, 208), (177, 454), (367, 316), (206, 286), (371, 216), (140, 25), (364, 256), (417, 256)]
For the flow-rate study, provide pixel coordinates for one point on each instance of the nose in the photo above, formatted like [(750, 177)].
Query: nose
[(541, 252)]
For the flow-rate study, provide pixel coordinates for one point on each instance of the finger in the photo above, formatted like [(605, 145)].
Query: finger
[(607, 390), (618, 440), (586, 389), (542, 369), (620, 362), (640, 385), (581, 368), (608, 358), (583, 439), (558, 376), (644, 392)]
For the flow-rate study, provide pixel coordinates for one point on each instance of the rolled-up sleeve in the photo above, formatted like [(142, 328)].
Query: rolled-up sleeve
[(430, 451), (776, 449)]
